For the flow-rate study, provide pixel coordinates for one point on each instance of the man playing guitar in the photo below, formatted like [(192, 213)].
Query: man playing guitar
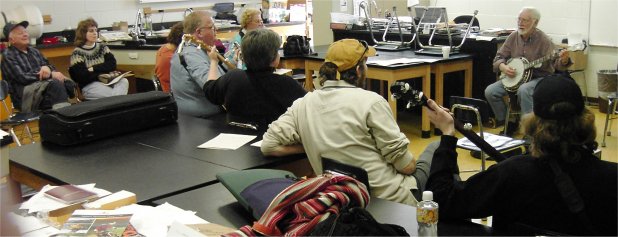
[(529, 43)]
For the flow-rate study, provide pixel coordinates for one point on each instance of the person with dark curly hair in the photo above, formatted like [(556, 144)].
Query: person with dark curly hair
[(561, 187)]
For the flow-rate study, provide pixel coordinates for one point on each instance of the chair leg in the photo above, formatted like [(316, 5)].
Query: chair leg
[(27, 129), (610, 110), (15, 138), (507, 118)]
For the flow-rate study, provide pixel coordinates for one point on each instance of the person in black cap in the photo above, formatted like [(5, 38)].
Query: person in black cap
[(524, 194), (34, 82)]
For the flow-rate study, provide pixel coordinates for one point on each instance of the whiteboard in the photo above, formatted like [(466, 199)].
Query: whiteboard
[(604, 22), (147, 1)]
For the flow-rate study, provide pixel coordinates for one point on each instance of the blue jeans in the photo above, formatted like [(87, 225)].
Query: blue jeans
[(495, 92)]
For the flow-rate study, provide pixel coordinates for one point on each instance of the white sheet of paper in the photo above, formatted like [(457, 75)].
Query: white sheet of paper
[(484, 38), (227, 141), (155, 221), (116, 79), (179, 229), (282, 71), (3, 133), (258, 143), (25, 224), (396, 61)]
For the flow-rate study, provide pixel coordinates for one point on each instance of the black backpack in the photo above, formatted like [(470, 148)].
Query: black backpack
[(355, 221), (296, 45)]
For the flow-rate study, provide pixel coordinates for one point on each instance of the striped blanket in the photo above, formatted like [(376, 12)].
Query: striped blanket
[(300, 207)]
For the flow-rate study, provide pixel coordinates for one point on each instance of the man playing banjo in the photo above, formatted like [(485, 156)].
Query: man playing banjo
[(524, 47)]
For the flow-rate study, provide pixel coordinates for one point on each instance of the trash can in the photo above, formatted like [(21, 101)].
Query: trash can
[(608, 85)]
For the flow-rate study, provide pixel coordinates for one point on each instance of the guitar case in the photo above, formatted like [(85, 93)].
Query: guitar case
[(106, 117)]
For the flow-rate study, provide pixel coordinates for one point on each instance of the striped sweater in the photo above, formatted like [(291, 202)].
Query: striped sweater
[(300, 207)]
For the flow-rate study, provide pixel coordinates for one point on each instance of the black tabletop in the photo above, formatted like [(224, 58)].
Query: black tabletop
[(189, 132), (215, 204), (116, 164)]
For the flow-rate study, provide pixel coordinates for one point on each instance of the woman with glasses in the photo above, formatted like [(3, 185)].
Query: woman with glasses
[(250, 19), (93, 64)]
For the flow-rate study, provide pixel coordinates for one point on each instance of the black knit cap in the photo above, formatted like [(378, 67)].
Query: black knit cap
[(11, 25), (558, 98)]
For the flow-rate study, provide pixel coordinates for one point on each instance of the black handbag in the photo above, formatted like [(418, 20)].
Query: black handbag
[(355, 221), (296, 45)]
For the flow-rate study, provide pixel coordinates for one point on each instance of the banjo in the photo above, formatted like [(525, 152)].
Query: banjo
[(523, 72)]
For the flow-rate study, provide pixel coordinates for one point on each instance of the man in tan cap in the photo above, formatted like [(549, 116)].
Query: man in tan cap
[(343, 122)]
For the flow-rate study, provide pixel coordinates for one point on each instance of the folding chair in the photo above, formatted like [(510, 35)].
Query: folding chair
[(15, 119), (480, 110)]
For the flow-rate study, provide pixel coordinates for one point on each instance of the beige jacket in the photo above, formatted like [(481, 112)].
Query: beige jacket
[(353, 126)]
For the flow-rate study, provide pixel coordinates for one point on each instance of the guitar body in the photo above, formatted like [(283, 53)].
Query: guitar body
[(522, 74)]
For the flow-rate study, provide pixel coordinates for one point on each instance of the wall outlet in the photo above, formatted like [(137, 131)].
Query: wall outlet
[(133, 55)]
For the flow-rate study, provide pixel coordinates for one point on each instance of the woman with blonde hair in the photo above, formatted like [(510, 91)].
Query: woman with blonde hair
[(249, 20)]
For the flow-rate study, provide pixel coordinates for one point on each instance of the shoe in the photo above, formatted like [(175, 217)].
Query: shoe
[(492, 123), (512, 127)]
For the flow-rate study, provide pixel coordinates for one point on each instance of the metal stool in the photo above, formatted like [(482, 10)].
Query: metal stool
[(512, 108)]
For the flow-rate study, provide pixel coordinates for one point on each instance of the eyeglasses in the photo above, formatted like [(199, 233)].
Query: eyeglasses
[(213, 27), (524, 20), (364, 43)]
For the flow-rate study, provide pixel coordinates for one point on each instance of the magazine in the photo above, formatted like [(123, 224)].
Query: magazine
[(96, 223)]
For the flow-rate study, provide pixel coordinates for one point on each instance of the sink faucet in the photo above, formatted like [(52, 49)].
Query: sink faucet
[(188, 11), (137, 28)]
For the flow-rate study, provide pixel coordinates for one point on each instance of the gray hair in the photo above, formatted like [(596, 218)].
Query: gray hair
[(194, 21), (259, 48), (532, 10)]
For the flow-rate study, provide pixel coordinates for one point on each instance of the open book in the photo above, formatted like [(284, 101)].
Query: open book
[(116, 79)]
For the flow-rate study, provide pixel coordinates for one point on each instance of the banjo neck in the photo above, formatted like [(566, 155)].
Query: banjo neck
[(538, 61), (191, 39)]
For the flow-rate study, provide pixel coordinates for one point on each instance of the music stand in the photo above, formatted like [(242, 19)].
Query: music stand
[(431, 18)]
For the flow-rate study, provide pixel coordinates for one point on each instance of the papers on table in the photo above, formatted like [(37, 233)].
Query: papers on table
[(282, 71), (227, 141), (498, 142), (397, 61), (155, 221), (39, 202), (257, 144)]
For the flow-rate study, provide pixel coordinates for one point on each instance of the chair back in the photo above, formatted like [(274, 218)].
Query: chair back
[(339, 168), (4, 93), (467, 116), (4, 89), (157, 83), (466, 19)]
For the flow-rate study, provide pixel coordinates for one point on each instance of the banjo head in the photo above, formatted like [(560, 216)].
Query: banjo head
[(519, 64)]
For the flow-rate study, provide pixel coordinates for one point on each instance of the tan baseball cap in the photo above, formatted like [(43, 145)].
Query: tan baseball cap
[(346, 53)]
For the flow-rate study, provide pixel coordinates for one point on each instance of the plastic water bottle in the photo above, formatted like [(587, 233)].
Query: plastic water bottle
[(427, 215)]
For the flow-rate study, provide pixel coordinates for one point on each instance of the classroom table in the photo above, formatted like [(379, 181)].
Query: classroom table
[(152, 163), (393, 73), (214, 203), (113, 165)]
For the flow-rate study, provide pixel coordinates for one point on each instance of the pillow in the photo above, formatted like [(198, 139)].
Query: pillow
[(237, 181)]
